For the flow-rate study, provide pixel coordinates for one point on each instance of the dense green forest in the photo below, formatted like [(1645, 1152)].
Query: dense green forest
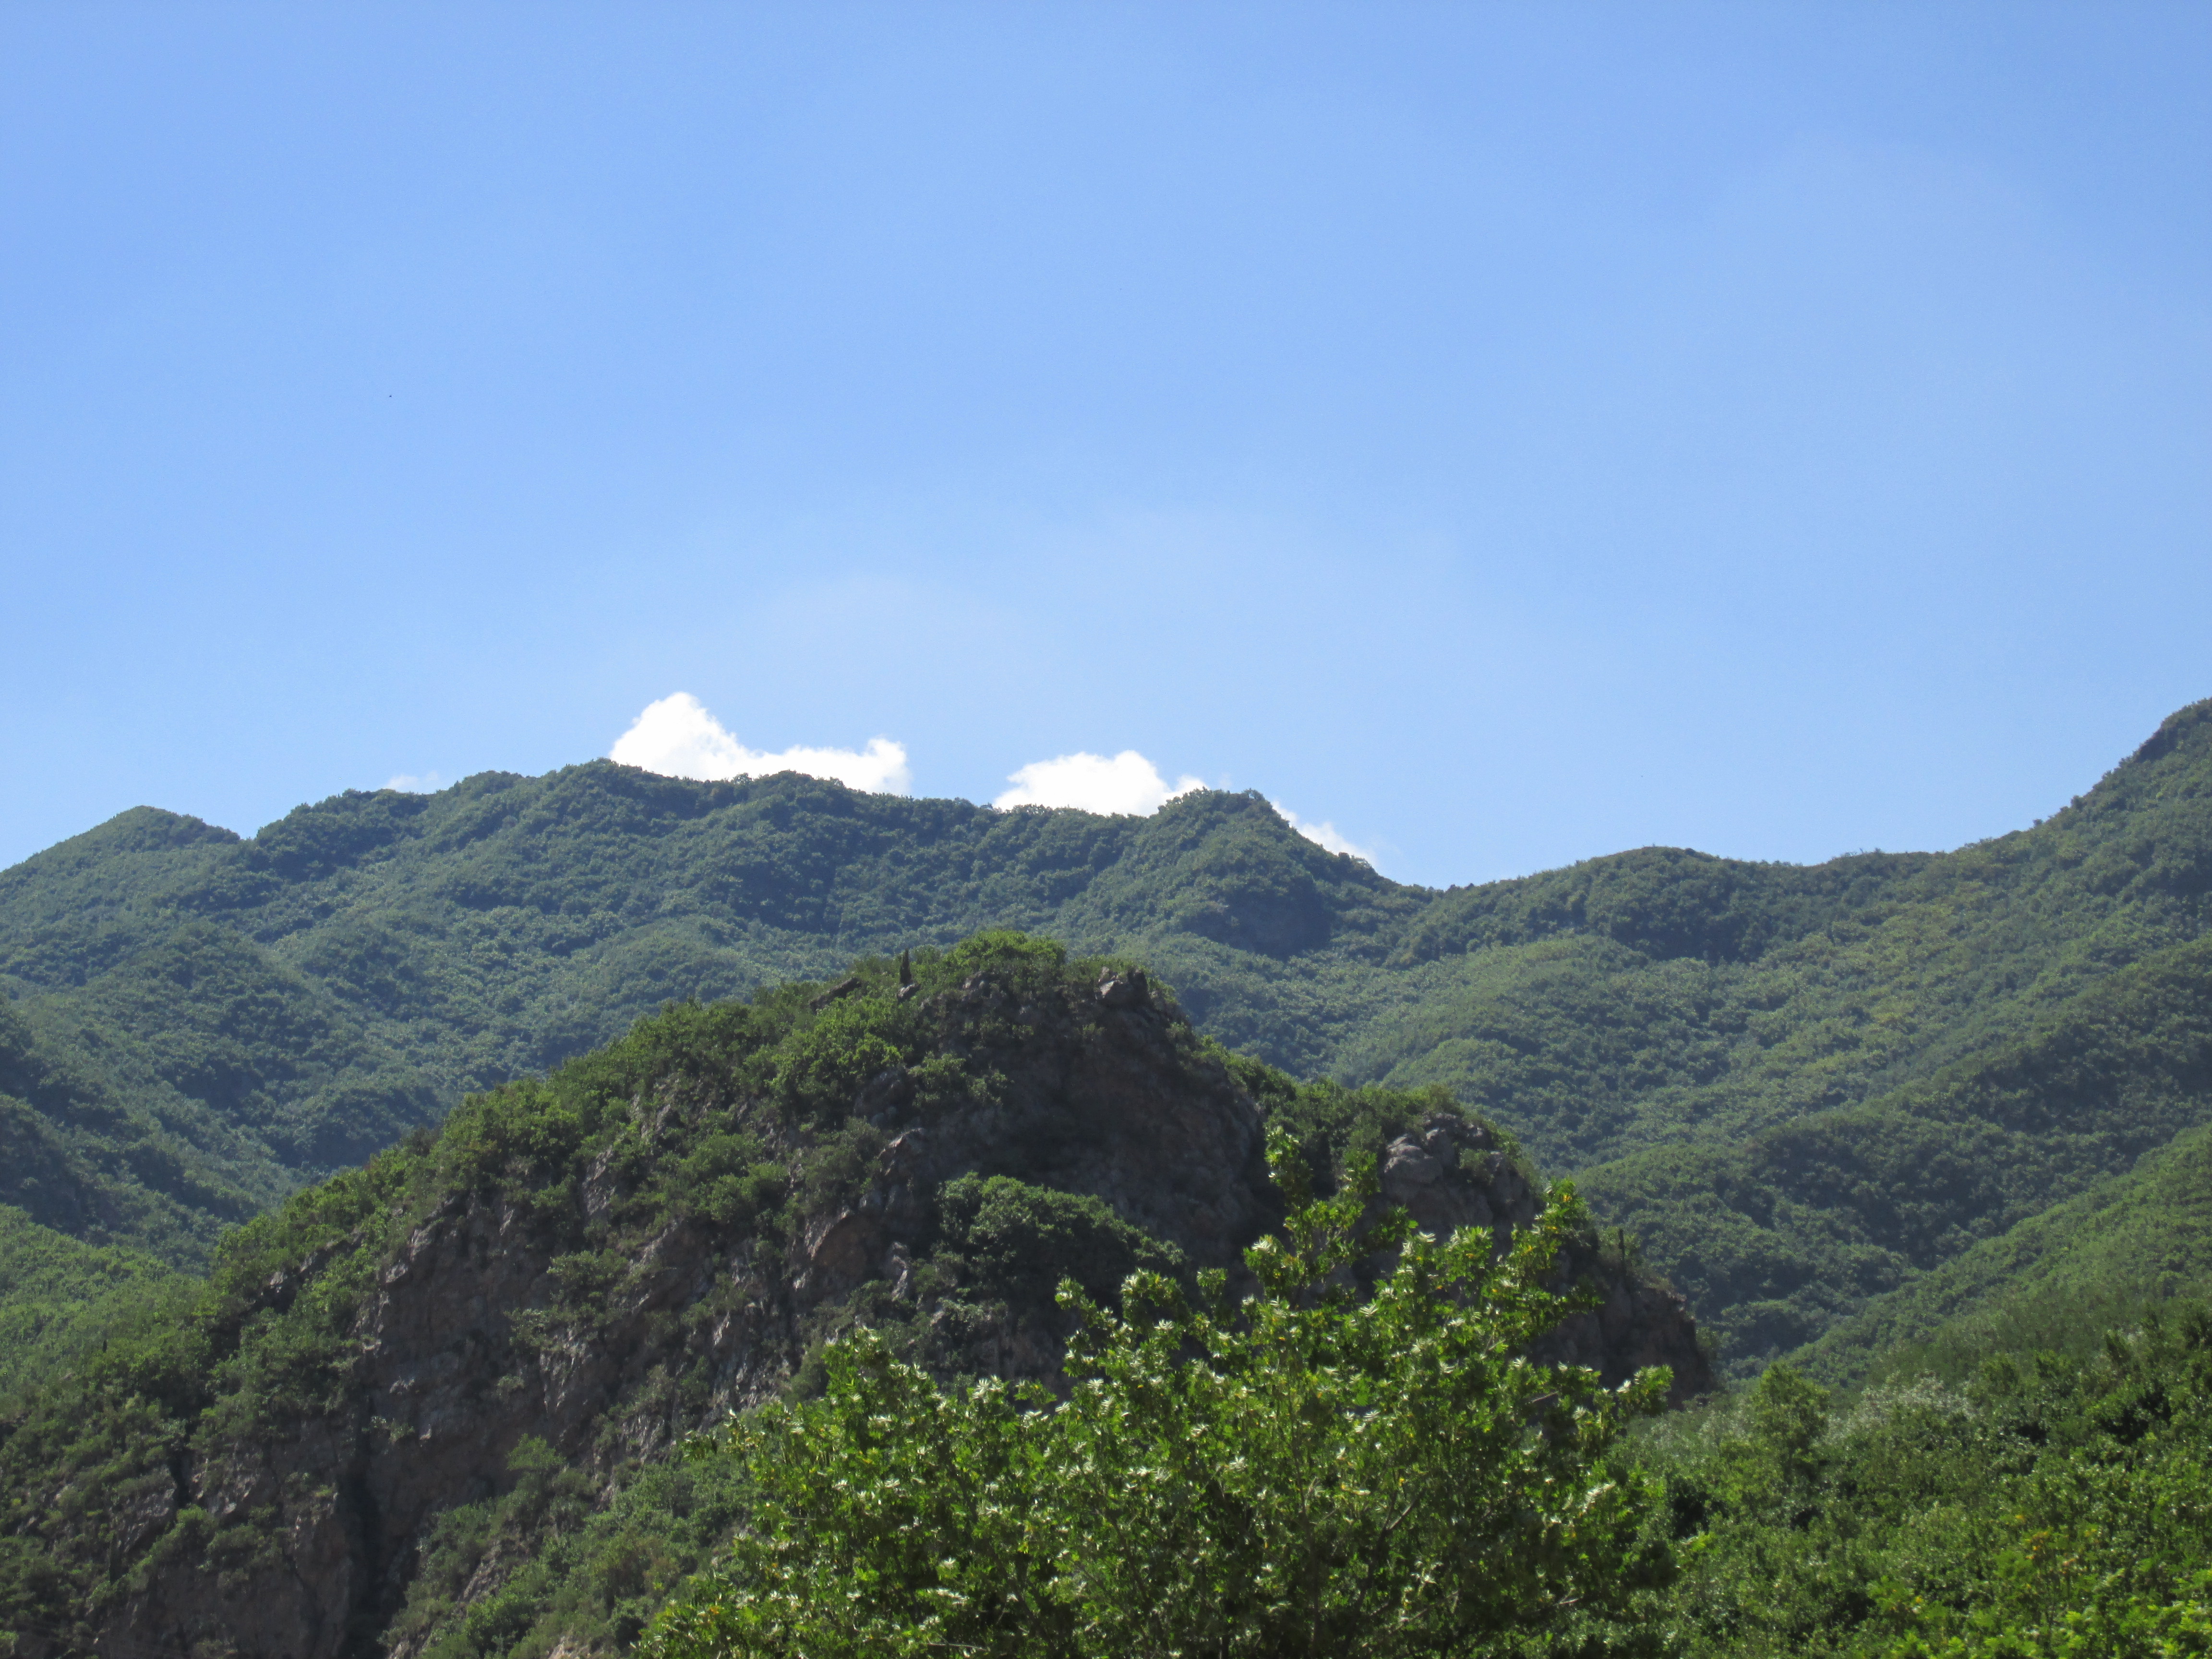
[(1800, 1087), (2013, 1460), (63, 1296), (2056, 1503), (2132, 1241)]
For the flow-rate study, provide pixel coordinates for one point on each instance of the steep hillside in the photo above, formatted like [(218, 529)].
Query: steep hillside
[(1661, 997), (190, 1086), (1801, 1085), (405, 1392), (2055, 1280), (64, 1297), (1778, 1236)]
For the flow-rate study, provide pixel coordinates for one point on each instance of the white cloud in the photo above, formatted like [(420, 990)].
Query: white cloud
[(407, 783), (679, 738), (1325, 834), (1127, 783)]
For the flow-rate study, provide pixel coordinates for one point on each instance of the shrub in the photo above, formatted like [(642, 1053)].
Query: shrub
[(1304, 1474)]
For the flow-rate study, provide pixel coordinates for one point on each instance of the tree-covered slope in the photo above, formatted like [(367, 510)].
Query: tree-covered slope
[(2052, 1281), (1778, 1236), (2046, 1503), (260, 1010), (1661, 997), (1769, 1070), (63, 1297), (103, 1149)]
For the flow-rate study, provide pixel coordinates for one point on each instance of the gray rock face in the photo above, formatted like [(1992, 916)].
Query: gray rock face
[(1127, 990), (1452, 1175), (466, 1346)]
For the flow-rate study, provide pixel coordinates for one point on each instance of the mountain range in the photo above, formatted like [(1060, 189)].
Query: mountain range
[(1800, 1088)]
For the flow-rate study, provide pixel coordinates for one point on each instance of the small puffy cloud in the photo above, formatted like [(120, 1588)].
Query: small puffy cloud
[(1325, 835), (407, 783), (1126, 783), (679, 738)]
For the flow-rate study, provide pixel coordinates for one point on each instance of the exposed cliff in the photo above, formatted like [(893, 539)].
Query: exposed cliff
[(603, 1260)]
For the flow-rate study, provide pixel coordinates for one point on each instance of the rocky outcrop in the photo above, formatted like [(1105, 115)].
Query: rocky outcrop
[(296, 1539), (1451, 1174)]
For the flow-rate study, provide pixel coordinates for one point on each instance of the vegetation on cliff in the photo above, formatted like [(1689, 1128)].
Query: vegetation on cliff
[(1800, 1087), (439, 1377), (2051, 1505), (1304, 1471)]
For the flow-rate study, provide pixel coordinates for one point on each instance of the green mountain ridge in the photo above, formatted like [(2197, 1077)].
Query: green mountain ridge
[(1802, 1087), (427, 1407)]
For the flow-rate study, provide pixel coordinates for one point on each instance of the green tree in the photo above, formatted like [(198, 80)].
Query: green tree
[(1309, 1472), (1785, 1415)]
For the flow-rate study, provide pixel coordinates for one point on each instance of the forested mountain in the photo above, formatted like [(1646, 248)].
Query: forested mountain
[(201, 1021), (411, 1409), (1800, 1087), (426, 1407)]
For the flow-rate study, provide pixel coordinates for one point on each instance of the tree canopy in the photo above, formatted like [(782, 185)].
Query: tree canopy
[(1308, 1470)]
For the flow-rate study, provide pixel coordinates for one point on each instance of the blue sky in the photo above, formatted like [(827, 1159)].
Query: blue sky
[(1508, 433)]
